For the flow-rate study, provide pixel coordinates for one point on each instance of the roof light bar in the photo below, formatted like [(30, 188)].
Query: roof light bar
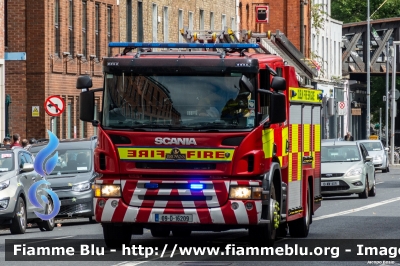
[(183, 45)]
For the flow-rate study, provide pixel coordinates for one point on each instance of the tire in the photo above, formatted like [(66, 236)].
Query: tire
[(159, 232), (364, 194), (18, 224), (47, 225), (265, 234), (372, 191), (181, 233), (116, 236), (301, 227)]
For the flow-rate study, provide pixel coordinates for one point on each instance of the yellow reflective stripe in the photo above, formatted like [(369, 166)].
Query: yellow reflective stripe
[(317, 137), (290, 167), (306, 137), (299, 164), (313, 161), (280, 160), (295, 140), (285, 136), (268, 142)]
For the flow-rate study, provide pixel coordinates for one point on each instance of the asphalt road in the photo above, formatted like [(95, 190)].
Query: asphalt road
[(338, 218)]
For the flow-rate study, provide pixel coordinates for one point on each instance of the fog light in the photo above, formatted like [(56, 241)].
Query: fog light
[(235, 205), (249, 206), (101, 203), (114, 203), (3, 203), (358, 183)]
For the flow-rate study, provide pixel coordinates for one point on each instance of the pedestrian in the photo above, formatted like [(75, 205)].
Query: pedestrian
[(348, 137), (6, 142), (25, 144), (16, 140)]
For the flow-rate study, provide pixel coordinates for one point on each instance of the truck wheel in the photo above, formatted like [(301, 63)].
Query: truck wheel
[(159, 232), (18, 225), (181, 233), (116, 236), (364, 194), (265, 234), (47, 225), (300, 227)]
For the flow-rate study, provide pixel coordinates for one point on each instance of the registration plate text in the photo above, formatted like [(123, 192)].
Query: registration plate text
[(175, 218), (328, 184)]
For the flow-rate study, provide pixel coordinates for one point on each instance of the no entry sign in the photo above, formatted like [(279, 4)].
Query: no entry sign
[(54, 105)]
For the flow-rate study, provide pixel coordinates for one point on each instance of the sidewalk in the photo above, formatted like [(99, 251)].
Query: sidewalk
[(396, 166)]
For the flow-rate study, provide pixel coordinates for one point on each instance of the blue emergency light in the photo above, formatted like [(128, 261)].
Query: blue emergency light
[(151, 185), (183, 45), (196, 186)]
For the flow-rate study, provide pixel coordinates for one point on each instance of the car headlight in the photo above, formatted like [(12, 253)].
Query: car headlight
[(245, 193), (81, 187), (5, 184), (107, 190), (352, 172), (378, 157)]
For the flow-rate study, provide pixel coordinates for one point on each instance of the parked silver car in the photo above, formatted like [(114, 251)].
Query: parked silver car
[(17, 175), (379, 154), (346, 168)]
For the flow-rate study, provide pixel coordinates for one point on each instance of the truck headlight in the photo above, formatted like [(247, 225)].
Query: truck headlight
[(352, 172), (5, 184), (245, 193), (107, 191), (81, 187)]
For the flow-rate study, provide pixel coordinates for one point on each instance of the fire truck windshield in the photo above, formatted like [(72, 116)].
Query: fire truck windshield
[(178, 102)]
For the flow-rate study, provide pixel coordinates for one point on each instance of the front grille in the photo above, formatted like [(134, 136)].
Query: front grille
[(186, 177), (332, 175), (71, 209), (175, 165), (175, 198), (342, 186), (173, 185), (61, 188)]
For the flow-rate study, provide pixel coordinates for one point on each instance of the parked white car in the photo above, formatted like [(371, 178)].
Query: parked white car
[(379, 154), (346, 168)]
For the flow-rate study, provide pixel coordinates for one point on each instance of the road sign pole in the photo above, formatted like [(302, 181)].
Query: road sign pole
[(380, 123)]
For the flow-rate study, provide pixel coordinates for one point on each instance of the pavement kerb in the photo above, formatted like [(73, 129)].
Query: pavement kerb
[(394, 166)]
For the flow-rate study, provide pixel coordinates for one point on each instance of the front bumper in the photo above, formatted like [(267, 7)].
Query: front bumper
[(346, 185), (76, 204), (116, 211)]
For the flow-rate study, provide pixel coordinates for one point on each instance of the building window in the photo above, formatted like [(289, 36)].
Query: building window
[(69, 121), (165, 23), (201, 22), (97, 29), (233, 24), (109, 28), (71, 27), (128, 20), (223, 21), (84, 28), (180, 25), (140, 34), (155, 22), (211, 20), (190, 20), (57, 26)]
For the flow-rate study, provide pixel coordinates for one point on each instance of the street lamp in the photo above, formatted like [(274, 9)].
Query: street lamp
[(395, 44), (387, 95), (368, 73)]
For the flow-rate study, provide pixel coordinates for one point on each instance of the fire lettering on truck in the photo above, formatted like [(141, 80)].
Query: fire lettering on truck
[(181, 154), (175, 141)]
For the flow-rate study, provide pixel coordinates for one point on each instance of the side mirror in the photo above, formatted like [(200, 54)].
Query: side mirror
[(84, 82), (369, 158), (277, 112), (86, 106), (28, 167), (278, 84)]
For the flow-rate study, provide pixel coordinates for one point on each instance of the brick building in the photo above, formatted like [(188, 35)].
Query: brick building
[(2, 70), (161, 20), (284, 16), (49, 44)]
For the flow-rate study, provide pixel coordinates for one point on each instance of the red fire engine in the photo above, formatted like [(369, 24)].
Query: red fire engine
[(210, 136)]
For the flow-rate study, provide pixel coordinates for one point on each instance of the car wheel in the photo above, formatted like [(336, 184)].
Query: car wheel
[(301, 227), (372, 191), (364, 194), (265, 234), (159, 232), (49, 224), (18, 225)]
